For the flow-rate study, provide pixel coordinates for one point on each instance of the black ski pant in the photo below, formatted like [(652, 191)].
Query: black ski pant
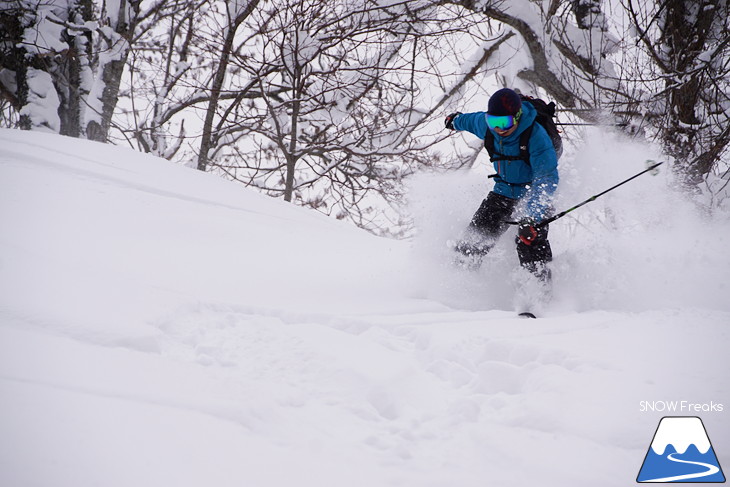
[(488, 224)]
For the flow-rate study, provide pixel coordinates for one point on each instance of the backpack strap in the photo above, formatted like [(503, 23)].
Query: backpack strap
[(524, 147)]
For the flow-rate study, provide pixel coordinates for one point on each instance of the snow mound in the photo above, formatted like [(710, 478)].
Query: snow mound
[(160, 326)]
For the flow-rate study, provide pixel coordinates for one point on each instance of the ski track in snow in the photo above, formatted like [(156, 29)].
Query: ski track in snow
[(711, 470), (162, 327)]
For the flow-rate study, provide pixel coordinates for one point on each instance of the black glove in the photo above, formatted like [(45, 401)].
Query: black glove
[(449, 122), (526, 231)]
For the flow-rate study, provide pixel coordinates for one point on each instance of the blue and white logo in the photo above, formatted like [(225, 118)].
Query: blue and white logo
[(681, 452)]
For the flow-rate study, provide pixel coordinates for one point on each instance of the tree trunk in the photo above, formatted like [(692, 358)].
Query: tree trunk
[(684, 38), (220, 75), (291, 158)]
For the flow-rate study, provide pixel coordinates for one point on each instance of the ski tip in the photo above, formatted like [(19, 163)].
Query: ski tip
[(527, 314)]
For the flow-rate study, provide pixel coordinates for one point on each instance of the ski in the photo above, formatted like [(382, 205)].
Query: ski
[(527, 314)]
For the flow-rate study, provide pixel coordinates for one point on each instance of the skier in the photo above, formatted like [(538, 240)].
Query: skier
[(532, 182)]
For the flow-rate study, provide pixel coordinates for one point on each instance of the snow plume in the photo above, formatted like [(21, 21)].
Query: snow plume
[(642, 246)]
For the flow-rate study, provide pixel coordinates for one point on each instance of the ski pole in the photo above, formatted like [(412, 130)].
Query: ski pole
[(617, 124), (592, 198)]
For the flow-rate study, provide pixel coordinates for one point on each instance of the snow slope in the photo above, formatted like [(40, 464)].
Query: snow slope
[(159, 326)]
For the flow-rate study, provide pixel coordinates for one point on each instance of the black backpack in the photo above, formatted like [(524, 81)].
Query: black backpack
[(545, 116)]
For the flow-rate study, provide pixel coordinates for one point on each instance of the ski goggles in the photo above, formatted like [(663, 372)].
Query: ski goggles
[(503, 122)]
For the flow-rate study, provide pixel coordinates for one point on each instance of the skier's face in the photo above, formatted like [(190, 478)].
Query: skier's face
[(505, 133), (504, 125)]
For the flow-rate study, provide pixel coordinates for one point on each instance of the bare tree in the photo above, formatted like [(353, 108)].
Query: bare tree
[(236, 13), (159, 83), (180, 72), (337, 108), (318, 104)]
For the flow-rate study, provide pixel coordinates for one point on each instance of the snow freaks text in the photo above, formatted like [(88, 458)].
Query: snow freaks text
[(680, 407)]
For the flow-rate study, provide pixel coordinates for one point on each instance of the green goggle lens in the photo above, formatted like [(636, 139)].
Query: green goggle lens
[(503, 122)]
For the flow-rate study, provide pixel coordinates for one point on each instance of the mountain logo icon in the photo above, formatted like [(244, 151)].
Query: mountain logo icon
[(681, 452)]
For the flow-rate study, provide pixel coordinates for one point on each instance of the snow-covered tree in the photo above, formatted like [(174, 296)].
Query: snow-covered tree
[(61, 62), (686, 82)]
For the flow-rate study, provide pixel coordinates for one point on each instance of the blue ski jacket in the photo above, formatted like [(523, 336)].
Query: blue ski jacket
[(536, 181)]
